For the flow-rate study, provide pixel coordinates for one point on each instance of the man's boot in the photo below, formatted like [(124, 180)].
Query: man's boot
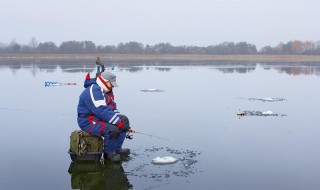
[(123, 151), (113, 157)]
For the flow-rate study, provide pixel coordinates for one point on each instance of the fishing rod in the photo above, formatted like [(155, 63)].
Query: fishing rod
[(129, 136), (100, 66), (47, 84)]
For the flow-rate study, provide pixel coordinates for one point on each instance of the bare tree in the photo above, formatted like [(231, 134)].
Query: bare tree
[(308, 45), (33, 44), (296, 47)]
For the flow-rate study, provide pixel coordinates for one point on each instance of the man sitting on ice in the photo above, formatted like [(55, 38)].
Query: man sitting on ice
[(98, 115)]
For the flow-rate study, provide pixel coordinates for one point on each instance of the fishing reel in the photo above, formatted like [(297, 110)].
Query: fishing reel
[(129, 135)]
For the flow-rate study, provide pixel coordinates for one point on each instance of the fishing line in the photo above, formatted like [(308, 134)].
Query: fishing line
[(138, 132), (73, 115), (157, 186), (37, 112)]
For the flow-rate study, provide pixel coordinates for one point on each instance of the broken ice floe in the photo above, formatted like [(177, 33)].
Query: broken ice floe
[(164, 160), (185, 164), (267, 113), (268, 99), (152, 90), (259, 113)]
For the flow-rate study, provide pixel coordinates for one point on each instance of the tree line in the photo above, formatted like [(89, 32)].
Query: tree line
[(295, 47)]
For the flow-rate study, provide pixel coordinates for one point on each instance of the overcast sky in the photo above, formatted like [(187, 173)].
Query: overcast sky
[(180, 22)]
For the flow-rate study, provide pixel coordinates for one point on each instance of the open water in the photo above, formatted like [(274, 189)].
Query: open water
[(193, 118)]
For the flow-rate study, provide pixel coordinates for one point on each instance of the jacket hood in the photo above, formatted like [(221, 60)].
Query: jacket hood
[(89, 82)]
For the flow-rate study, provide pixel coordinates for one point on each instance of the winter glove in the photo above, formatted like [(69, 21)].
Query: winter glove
[(113, 131), (123, 126), (120, 124)]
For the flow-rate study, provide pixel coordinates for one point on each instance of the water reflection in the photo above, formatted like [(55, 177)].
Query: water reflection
[(97, 175), (236, 68), (132, 69), (294, 68), (135, 66), (301, 70), (163, 69)]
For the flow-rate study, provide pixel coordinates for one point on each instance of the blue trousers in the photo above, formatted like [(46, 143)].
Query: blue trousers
[(94, 126)]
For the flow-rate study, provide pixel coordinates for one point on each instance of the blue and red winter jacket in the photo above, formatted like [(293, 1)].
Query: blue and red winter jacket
[(109, 95), (93, 102)]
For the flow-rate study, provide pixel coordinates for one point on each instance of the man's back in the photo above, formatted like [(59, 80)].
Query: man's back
[(87, 99)]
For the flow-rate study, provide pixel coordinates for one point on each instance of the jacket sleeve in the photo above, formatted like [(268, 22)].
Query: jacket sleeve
[(115, 109), (115, 106), (99, 107)]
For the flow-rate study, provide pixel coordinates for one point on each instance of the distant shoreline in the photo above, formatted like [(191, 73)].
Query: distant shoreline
[(165, 57)]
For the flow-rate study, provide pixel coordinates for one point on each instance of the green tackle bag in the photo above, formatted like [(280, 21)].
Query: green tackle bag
[(81, 143)]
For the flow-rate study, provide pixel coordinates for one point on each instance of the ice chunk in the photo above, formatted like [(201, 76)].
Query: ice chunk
[(267, 113), (152, 90), (268, 99), (164, 160)]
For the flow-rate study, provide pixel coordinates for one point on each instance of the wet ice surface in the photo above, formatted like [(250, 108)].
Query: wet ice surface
[(141, 161), (258, 152)]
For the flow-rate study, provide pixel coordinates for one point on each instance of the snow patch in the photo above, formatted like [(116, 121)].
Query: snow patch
[(164, 160), (267, 113)]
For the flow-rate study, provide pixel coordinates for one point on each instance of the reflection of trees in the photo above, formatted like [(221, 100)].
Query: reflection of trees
[(299, 70), (95, 175), (48, 66), (290, 69), (163, 69), (161, 64), (236, 70), (79, 70), (34, 70), (133, 69), (36, 66), (240, 67), (296, 69), (77, 67)]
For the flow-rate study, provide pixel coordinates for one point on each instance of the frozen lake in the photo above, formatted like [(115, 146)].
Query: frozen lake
[(194, 119)]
